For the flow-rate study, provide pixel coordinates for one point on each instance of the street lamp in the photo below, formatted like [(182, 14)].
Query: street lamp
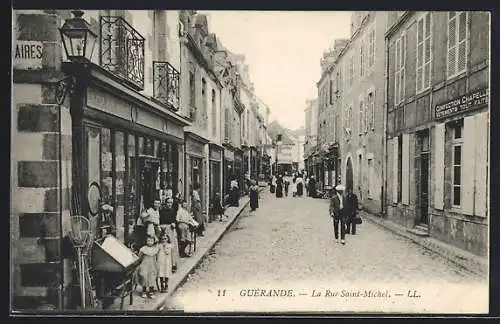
[(78, 41), (77, 37), (278, 143)]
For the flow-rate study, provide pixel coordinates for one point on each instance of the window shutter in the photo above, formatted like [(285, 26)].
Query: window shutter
[(373, 110), (467, 181), (462, 33), (439, 136), (405, 182), (452, 40), (481, 169), (361, 119), (403, 67), (395, 170)]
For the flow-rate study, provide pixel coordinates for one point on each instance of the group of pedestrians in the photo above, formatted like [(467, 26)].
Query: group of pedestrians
[(282, 185), (344, 212), (160, 236)]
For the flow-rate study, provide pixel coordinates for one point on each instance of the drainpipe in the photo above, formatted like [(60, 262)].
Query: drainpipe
[(60, 289), (383, 208)]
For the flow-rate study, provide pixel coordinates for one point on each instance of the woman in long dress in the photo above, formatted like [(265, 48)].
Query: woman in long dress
[(197, 211), (234, 194), (279, 187), (254, 196), (300, 185), (293, 187), (273, 184), (184, 220)]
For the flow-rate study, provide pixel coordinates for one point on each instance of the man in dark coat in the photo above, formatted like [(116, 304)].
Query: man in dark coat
[(337, 212), (351, 210)]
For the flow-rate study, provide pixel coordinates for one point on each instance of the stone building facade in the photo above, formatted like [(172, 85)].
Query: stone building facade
[(201, 92), (438, 125), (311, 133), (360, 85)]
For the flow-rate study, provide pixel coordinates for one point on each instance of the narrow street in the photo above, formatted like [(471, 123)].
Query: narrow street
[(290, 241)]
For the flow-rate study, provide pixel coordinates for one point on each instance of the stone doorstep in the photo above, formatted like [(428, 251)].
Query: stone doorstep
[(212, 235), (471, 262)]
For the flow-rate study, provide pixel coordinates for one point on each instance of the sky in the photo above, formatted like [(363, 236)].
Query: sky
[(283, 50)]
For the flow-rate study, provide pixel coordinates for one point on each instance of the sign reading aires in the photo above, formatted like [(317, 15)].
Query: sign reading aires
[(27, 55), (474, 100)]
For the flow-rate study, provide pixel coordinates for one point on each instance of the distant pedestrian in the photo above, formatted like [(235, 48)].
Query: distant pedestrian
[(196, 209), (286, 185), (273, 184), (218, 210), (312, 187), (306, 185), (299, 183), (351, 210), (234, 194), (337, 212), (254, 195), (293, 187)]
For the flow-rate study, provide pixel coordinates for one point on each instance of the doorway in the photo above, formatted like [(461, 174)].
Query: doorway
[(349, 174), (424, 177), (149, 180)]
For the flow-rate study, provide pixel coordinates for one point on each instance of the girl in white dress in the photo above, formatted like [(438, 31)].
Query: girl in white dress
[(147, 270), (164, 261)]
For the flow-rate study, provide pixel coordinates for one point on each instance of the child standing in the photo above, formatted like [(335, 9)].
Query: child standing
[(147, 271), (218, 209), (164, 261)]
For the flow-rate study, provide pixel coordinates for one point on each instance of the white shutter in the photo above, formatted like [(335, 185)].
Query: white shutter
[(405, 170), (481, 169), (439, 133), (467, 172), (395, 170)]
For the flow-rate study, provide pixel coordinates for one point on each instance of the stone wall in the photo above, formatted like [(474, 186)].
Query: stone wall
[(41, 170)]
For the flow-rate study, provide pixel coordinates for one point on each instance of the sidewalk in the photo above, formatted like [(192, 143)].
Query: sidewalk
[(469, 261), (213, 233)]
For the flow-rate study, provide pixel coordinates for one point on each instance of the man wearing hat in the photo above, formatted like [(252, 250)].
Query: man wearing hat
[(337, 213)]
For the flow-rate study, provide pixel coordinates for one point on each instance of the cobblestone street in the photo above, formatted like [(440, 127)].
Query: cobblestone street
[(291, 240)]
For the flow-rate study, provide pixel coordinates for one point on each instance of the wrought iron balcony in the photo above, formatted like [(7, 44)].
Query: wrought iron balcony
[(166, 84), (122, 50)]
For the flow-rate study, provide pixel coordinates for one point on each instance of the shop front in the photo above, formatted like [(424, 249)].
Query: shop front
[(124, 154), (125, 147), (196, 168), (215, 169)]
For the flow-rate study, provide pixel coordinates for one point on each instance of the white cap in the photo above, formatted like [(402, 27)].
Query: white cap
[(340, 187)]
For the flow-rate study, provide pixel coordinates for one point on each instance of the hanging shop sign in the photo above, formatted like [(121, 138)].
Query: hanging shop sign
[(194, 147), (229, 155), (27, 55), (471, 101), (215, 154)]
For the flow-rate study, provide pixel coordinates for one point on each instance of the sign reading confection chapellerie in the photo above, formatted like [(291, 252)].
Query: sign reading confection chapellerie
[(471, 101), (27, 55)]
